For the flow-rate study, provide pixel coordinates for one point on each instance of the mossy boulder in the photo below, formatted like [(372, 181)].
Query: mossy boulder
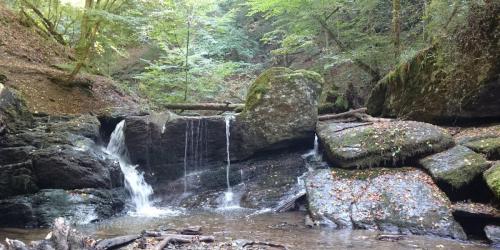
[(488, 146), (456, 78), (362, 145), (403, 200), (457, 167), (281, 110), (492, 178)]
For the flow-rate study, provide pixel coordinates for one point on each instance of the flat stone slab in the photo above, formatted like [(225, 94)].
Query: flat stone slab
[(362, 145), (456, 167), (492, 178), (404, 200), (488, 146)]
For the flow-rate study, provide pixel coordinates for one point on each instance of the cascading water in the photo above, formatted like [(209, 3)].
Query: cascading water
[(228, 195), (195, 147), (135, 184)]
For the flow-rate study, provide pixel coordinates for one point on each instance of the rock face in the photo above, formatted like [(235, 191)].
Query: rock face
[(51, 154), (260, 182), (395, 200), (456, 167), (465, 72), (362, 145), (281, 111), (78, 206), (492, 178), (159, 143)]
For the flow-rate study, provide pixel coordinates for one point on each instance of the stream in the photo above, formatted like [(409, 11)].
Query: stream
[(284, 228)]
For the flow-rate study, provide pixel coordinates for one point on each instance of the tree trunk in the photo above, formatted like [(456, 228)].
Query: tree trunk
[(187, 58), (396, 27), (205, 106), (47, 24), (343, 47), (83, 45)]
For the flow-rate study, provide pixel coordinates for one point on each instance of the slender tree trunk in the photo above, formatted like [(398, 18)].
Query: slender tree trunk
[(396, 27), (452, 15), (83, 45), (186, 83), (344, 47)]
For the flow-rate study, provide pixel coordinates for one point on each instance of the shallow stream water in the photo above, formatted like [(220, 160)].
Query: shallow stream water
[(226, 225)]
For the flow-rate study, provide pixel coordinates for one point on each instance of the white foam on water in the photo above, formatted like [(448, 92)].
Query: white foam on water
[(140, 191)]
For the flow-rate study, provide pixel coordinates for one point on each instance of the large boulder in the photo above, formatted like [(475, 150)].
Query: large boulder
[(78, 206), (395, 200), (492, 178), (281, 111), (456, 78), (363, 145), (456, 168)]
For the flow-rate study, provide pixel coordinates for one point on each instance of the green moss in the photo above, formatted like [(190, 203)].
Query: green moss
[(277, 75), (261, 85), (474, 165), (492, 177), (434, 84), (489, 146)]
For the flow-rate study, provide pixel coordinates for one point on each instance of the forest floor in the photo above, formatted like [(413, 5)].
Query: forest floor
[(29, 62)]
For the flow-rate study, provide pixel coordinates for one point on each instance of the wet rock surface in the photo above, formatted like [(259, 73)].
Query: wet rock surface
[(160, 142), (260, 182), (395, 200), (362, 145), (456, 167), (39, 153), (493, 234), (78, 206)]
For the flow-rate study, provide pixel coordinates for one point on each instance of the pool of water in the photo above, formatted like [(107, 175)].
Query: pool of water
[(284, 228)]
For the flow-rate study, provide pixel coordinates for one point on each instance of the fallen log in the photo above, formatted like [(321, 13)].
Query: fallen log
[(261, 243), (347, 114), (177, 238), (206, 106), (353, 115), (391, 237), (289, 204), (116, 242)]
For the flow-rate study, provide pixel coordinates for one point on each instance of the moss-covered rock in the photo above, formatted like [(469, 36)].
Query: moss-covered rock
[(281, 110), (401, 200), (492, 178), (456, 167), (363, 145), (449, 80), (488, 146)]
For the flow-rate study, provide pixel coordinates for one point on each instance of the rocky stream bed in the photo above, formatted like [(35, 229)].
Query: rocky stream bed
[(253, 180)]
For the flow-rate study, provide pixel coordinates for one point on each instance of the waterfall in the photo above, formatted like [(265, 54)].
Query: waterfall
[(228, 195), (195, 147), (135, 184)]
